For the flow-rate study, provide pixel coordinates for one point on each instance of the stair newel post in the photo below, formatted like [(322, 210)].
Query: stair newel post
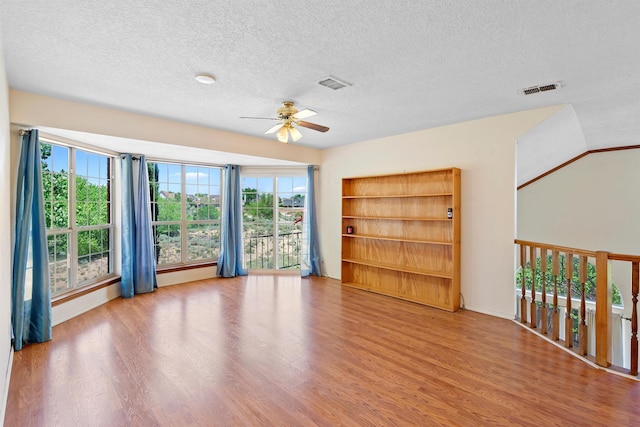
[(568, 323), (532, 261), (523, 299), (582, 329), (603, 310), (555, 316), (635, 288), (543, 310)]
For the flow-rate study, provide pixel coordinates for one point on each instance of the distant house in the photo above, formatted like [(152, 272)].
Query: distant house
[(296, 201)]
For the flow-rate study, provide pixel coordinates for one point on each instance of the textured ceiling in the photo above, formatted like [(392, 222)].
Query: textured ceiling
[(412, 64)]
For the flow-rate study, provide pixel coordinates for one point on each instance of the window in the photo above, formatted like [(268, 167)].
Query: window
[(185, 206), (272, 215), (77, 190)]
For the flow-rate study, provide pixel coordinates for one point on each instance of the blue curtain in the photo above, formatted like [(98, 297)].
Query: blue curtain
[(230, 259), (31, 304), (138, 260), (311, 251)]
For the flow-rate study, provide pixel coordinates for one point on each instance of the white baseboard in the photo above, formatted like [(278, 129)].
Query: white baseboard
[(502, 315), (75, 307), (184, 276), (7, 380)]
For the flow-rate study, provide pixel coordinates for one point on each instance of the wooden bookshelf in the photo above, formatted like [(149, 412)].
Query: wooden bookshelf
[(402, 242)]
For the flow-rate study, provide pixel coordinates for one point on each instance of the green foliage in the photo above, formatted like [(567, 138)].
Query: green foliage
[(257, 207), (92, 205), (55, 187), (169, 210), (576, 287)]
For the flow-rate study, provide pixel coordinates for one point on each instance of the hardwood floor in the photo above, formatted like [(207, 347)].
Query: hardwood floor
[(285, 351)]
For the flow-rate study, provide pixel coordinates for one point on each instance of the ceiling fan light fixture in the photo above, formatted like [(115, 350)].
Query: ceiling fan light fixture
[(295, 134), (205, 79), (289, 118), (282, 135)]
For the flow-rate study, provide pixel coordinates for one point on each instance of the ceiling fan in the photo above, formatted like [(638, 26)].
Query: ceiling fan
[(289, 117)]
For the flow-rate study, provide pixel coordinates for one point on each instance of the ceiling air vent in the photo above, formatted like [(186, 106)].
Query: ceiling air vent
[(542, 88), (333, 83)]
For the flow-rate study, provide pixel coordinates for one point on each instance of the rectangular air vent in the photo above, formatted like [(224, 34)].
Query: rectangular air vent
[(542, 88), (333, 83)]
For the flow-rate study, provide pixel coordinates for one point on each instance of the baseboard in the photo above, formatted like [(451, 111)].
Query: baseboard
[(184, 276), (493, 313), (77, 306), (5, 397)]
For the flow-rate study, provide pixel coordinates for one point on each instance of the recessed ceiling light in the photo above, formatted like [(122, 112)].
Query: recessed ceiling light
[(205, 79)]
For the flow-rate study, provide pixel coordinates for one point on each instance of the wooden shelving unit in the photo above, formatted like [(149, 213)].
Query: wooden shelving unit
[(403, 244)]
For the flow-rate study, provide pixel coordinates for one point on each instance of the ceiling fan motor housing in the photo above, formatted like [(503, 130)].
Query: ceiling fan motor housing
[(287, 111)]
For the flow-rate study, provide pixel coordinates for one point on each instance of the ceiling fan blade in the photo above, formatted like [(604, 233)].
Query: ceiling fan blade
[(274, 128), (295, 134), (313, 126), (303, 114), (260, 118), (282, 135)]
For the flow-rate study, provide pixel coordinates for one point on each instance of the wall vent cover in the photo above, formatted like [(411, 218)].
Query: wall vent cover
[(542, 88), (333, 83)]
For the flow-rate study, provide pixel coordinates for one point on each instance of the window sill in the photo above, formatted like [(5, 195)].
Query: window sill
[(77, 293), (110, 280), (183, 267)]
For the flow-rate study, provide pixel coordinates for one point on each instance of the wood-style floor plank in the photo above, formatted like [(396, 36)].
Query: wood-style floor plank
[(284, 351)]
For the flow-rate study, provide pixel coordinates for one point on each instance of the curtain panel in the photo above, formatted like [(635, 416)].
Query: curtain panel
[(138, 253), (31, 298), (311, 249), (230, 259)]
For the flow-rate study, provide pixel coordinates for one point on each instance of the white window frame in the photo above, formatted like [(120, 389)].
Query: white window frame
[(184, 222), (72, 228)]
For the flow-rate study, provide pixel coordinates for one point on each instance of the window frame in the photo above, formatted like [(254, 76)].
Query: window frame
[(73, 230), (184, 223), (275, 174)]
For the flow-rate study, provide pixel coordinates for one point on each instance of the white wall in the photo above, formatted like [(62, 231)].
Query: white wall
[(485, 151), (5, 240), (592, 203)]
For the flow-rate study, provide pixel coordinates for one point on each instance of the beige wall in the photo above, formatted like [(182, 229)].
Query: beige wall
[(593, 203), (485, 151), (36, 110), (5, 240)]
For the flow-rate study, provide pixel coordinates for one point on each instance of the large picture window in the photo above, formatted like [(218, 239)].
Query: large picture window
[(185, 205), (77, 190)]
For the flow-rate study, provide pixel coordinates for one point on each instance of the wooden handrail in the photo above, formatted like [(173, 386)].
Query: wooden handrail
[(564, 273), (623, 257), (574, 251)]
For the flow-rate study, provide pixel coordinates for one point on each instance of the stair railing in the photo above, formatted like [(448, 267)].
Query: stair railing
[(569, 270)]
